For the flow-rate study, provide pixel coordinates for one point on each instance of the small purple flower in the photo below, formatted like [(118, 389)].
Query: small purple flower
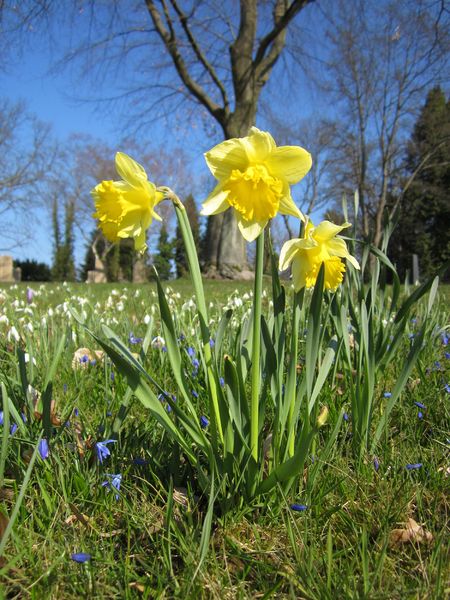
[(164, 349), (2, 418), (43, 449), (203, 422), (376, 464), (194, 393), (65, 388), (112, 376), (195, 363), (420, 415), (13, 429), (345, 416), (76, 412), (113, 482), (387, 394), (447, 355), (108, 413), (222, 382), (140, 461), (447, 388), (30, 295), (437, 365), (420, 405), (445, 338), (299, 507), (24, 417), (93, 362), (211, 343), (413, 320), (191, 352), (411, 336), (84, 358), (413, 466), (102, 449), (134, 340), (80, 557)]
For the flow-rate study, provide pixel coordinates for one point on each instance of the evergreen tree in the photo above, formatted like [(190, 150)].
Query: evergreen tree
[(63, 268), (32, 270), (164, 256), (180, 253), (57, 267), (424, 211)]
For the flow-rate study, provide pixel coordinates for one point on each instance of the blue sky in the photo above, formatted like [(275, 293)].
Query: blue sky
[(51, 98)]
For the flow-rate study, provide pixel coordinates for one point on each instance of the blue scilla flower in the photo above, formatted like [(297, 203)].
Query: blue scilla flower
[(445, 338), (447, 355), (65, 388), (420, 405), (112, 376), (413, 466), (81, 557), (387, 394), (84, 358), (43, 449), (345, 416), (212, 343), (102, 449), (420, 415), (133, 339), (24, 417), (195, 363), (2, 418), (204, 422), (299, 507), (93, 362), (376, 464), (222, 382), (191, 351), (447, 388), (437, 365), (194, 393), (13, 428), (113, 482)]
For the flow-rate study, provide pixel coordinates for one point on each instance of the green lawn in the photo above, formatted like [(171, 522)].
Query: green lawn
[(146, 543)]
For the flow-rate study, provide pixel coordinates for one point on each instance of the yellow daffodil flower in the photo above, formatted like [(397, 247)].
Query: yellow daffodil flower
[(125, 208), (319, 245), (254, 178)]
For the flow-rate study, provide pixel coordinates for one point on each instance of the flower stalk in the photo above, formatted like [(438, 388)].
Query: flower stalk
[(256, 347)]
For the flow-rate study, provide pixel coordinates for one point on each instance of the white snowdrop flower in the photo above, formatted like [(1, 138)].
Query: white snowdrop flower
[(185, 306), (246, 297), (146, 319), (44, 322), (114, 292), (15, 304), (384, 322), (123, 297), (270, 304), (27, 310), (83, 314), (193, 331), (13, 334), (158, 342), (178, 296), (120, 306), (97, 306), (50, 312), (27, 358), (65, 284), (29, 326), (264, 294), (137, 293), (211, 305), (238, 302), (153, 293), (2, 297), (153, 309), (4, 319), (74, 337)]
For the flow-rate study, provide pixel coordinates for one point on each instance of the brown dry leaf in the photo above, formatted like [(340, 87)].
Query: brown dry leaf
[(413, 532), (3, 524), (413, 383), (113, 533), (180, 496), (137, 586)]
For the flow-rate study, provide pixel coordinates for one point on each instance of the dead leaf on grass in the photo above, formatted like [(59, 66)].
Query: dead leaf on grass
[(412, 533)]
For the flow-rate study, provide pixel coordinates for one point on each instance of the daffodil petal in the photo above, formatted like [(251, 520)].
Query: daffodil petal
[(216, 202), (225, 157), (327, 230), (298, 274), (287, 253), (288, 206), (130, 171), (258, 145), (290, 163), (250, 231), (338, 247)]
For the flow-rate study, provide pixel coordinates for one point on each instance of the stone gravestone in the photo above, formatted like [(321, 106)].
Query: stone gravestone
[(6, 269), (140, 274), (17, 274), (415, 270), (97, 275)]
